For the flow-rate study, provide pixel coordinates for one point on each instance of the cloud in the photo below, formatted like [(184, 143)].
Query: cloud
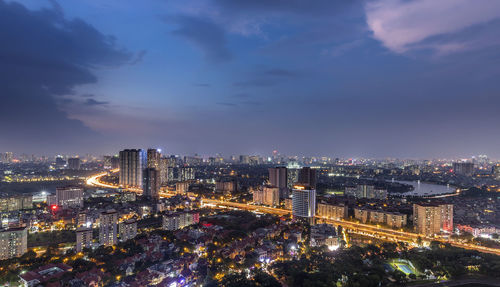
[(92, 102), (209, 37), (44, 57), (406, 25)]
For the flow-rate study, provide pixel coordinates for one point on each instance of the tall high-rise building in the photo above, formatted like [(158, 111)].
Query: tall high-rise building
[(307, 176), (431, 218), (447, 218), (69, 196), (108, 227), (293, 169), (268, 195), (132, 163), (303, 201), (463, 168), (83, 238), (151, 183), (74, 163), (496, 172), (278, 177), (13, 242), (164, 171), (154, 157), (6, 157), (128, 229), (186, 173)]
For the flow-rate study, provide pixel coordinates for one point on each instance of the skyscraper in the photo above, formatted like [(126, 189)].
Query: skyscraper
[(307, 176), (151, 183), (74, 163), (107, 227), (154, 157), (463, 168), (278, 178), (303, 201), (132, 163)]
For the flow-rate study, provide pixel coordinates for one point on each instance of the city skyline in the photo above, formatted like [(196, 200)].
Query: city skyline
[(379, 78)]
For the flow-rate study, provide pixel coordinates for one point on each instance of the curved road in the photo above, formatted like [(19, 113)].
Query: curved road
[(358, 228)]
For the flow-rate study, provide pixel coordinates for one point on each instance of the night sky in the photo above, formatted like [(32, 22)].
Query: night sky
[(376, 78)]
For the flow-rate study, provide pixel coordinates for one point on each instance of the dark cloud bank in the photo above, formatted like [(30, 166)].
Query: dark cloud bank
[(43, 57)]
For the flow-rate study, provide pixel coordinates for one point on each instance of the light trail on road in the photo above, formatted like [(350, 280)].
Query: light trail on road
[(354, 227)]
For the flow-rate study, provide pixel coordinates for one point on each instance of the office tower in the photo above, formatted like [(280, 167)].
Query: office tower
[(132, 163), (107, 227), (278, 177), (74, 163), (463, 168), (128, 229), (332, 211), (431, 218), (151, 183), (303, 201), (16, 202), (69, 196), (307, 176), (153, 159), (83, 238), (13, 242)]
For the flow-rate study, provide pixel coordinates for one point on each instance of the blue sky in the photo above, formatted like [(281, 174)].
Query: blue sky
[(340, 78)]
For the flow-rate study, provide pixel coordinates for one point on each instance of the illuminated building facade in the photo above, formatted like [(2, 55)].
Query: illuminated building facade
[(132, 164)]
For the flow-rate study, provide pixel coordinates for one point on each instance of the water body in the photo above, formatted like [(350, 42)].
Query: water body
[(427, 189)]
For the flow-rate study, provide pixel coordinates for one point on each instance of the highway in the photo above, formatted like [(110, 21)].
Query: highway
[(353, 227)]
